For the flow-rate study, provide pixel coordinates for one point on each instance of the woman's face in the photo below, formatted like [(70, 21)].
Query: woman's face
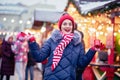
[(67, 26), (10, 39)]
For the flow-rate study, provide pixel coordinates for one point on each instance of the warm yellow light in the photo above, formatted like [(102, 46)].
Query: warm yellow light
[(92, 30), (89, 14), (7, 32), (43, 29), (115, 34), (12, 33), (83, 28), (73, 9), (97, 34), (119, 31), (109, 28), (93, 21), (105, 34), (99, 27), (15, 33), (119, 41), (27, 31), (3, 33), (101, 33)]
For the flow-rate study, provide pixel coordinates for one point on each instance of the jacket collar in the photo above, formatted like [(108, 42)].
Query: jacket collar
[(56, 36)]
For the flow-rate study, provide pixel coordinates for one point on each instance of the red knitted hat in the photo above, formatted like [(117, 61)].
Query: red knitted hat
[(21, 36), (63, 17)]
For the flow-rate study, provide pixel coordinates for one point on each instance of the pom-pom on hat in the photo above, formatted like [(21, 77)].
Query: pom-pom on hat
[(63, 17), (21, 36)]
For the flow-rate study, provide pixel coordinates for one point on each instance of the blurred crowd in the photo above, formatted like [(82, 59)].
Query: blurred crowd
[(15, 57)]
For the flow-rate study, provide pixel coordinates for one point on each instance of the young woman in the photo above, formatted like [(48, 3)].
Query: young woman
[(64, 51), (20, 48), (8, 61)]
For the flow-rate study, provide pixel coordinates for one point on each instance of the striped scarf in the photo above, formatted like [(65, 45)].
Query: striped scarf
[(59, 49)]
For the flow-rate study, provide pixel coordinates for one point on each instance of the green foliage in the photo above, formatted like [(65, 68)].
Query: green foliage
[(117, 43)]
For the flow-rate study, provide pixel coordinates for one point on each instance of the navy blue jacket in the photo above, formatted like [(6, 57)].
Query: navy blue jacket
[(73, 56)]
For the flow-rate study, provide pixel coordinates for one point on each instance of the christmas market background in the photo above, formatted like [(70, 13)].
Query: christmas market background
[(97, 19)]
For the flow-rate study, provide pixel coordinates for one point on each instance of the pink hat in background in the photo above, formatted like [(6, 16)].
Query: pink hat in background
[(21, 36)]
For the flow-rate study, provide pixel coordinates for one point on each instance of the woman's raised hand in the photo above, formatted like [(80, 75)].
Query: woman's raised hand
[(31, 38)]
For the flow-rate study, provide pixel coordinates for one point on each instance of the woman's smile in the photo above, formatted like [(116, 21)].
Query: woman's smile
[(67, 30)]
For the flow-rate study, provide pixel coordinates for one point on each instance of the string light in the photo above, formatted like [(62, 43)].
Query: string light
[(119, 41), (100, 27), (12, 20), (93, 21), (43, 29), (3, 33), (28, 22), (4, 19), (115, 34), (119, 31), (101, 33), (109, 29), (20, 21)]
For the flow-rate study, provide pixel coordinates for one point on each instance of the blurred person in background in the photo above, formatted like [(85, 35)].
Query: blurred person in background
[(30, 67), (21, 50), (8, 60), (64, 51), (1, 40)]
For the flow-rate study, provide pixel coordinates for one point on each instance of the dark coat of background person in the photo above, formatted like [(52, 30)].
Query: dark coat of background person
[(30, 67), (8, 62), (1, 47), (31, 61)]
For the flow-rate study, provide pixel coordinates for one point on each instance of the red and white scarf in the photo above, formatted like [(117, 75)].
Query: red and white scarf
[(59, 49)]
